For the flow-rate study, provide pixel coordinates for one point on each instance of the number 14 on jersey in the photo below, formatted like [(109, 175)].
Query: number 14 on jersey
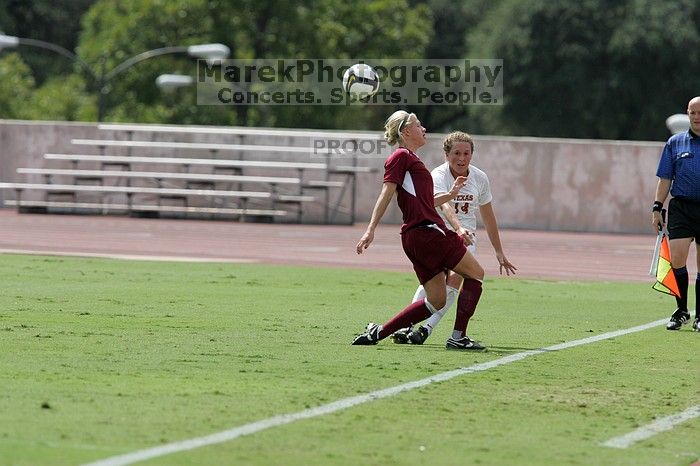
[(463, 207)]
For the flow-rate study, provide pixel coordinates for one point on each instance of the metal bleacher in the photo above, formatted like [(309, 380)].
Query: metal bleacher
[(155, 177)]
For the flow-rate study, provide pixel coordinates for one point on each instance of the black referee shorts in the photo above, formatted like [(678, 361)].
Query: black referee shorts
[(683, 219)]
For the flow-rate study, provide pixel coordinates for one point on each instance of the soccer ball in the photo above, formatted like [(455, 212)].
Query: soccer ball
[(360, 81)]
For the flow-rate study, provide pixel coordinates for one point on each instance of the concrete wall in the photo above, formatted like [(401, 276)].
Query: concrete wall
[(23, 144), (537, 183)]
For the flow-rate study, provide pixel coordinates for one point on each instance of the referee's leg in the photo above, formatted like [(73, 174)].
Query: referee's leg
[(679, 248), (696, 322), (683, 216)]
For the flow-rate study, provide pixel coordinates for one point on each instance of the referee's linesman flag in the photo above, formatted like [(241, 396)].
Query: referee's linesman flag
[(665, 279)]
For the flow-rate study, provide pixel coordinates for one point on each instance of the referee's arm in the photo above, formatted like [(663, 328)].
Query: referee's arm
[(662, 189)]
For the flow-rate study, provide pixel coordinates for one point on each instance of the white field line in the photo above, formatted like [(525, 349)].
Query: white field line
[(248, 429), (130, 257), (653, 428)]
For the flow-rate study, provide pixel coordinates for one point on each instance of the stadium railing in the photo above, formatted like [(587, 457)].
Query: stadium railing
[(223, 188)]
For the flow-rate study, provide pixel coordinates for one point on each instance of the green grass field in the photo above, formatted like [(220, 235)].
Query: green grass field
[(106, 357)]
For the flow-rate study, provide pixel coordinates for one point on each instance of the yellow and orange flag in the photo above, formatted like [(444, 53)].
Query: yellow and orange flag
[(661, 268)]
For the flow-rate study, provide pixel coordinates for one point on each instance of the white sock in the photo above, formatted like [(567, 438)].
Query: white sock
[(433, 320), (420, 294), (430, 307)]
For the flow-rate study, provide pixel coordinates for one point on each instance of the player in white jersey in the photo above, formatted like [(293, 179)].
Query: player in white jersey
[(460, 214)]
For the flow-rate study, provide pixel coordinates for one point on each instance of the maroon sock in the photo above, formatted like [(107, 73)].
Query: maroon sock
[(412, 314), (466, 303)]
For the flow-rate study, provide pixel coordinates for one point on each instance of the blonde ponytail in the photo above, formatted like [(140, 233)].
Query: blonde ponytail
[(395, 124)]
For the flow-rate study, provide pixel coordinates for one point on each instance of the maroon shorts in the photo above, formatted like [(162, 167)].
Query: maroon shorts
[(432, 250)]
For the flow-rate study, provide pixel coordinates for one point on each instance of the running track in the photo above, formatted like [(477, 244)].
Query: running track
[(537, 254)]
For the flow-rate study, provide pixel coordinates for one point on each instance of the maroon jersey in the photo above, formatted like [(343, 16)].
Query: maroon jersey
[(414, 189)]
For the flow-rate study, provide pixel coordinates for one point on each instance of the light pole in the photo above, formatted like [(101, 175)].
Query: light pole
[(208, 51), (170, 82), (677, 123)]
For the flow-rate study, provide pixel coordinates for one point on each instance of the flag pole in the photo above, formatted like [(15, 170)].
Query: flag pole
[(655, 256), (657, 247)]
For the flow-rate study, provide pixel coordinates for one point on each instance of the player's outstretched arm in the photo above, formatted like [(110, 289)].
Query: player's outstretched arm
[(388, 191), (488, 216)]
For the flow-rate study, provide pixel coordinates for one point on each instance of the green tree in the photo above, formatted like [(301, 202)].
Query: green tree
[(16, 84), (654, 71), (114, 31), (589, 69), (453, 22), (62, 99), (52, 21)]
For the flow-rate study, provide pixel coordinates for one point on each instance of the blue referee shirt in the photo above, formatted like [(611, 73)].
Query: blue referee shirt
[(680, 162)]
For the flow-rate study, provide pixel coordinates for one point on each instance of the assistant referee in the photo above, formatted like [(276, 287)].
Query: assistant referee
[(679, 173)]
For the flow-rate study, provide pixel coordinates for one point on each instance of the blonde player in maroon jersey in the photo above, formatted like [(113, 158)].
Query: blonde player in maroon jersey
[(460, 213), (432, 248)]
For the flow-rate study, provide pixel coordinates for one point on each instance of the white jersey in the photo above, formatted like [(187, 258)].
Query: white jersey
[(475, 193)]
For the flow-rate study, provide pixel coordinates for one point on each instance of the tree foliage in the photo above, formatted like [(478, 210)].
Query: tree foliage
[(114, 31), (16, 84), (453, 22), (62, 99), (591, 68), (54, 21)]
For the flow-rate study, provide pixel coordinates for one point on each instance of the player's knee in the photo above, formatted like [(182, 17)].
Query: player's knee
[(435, 304), (476, 272)]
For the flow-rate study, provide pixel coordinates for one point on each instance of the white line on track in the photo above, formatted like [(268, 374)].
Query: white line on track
[(660, 425), (264, 424), (130, 257)]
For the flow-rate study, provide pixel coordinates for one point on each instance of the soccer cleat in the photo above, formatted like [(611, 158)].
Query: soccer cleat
[(369, 337), (696, 324), (419, 335), (464, 343), (400, 336), (677, 320)]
